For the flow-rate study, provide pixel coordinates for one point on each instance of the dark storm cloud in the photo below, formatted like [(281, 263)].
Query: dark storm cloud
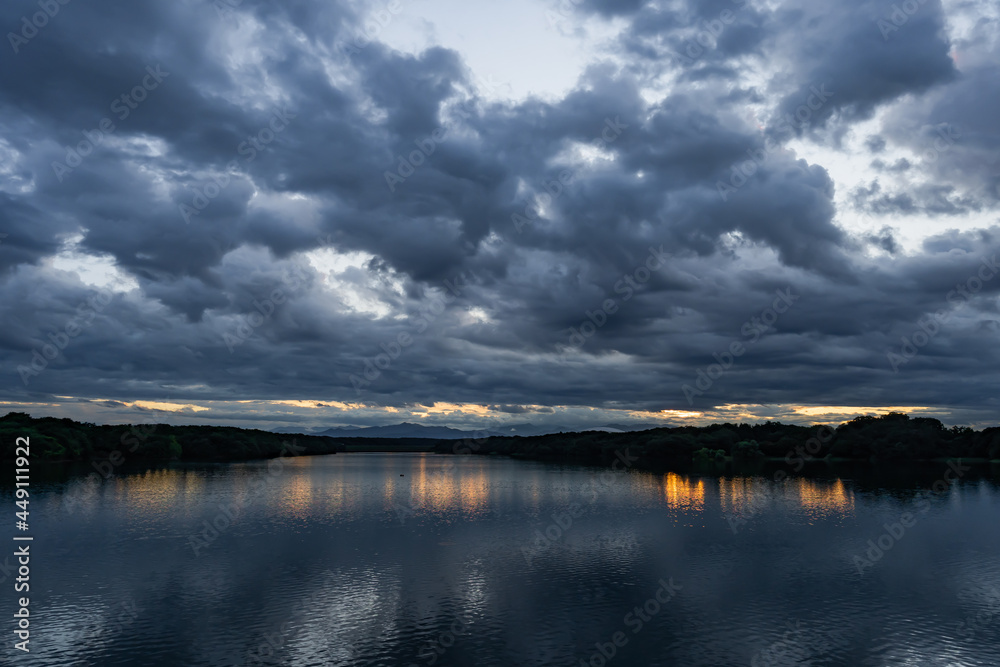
[(861, 66), (491, 231), (700, 37), (954, 132), (875, 144), (512, 409), (604, 7), (884, 239), (31, 236)]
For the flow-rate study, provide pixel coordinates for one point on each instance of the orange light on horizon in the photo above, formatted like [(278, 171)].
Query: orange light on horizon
[(167, 407)]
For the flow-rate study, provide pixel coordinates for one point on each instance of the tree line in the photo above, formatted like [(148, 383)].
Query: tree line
[(67, 440), (891, 437)]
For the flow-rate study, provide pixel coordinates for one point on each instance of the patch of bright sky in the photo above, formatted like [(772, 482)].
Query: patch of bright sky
[(94, 270), (242, 47), (850, 168), (346, 274), (477, 315), (964, 18), (138, 145), (298, 214), (578, 153), (13, 178), (515, 48), (168, 406)]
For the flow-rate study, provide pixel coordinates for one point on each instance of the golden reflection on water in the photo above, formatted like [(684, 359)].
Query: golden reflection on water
[(296, 495), (194, 488), (736, 494), (443, 489), (744, 495), (683, 493), (474, 491), (471, 490), (436, 489), (152, 491), (336, 495), (822, 498)]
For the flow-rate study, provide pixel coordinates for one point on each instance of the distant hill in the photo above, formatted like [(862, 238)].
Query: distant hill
[(404, 430), (411, 430)]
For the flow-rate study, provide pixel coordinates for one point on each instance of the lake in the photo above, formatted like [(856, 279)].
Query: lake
[(421, 559)]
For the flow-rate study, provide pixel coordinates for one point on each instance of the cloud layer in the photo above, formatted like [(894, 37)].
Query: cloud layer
[(294, 210)]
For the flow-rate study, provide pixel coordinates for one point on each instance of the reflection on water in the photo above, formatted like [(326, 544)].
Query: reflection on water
[(682, 493), (417, 559), (745, 496), (824, 499)]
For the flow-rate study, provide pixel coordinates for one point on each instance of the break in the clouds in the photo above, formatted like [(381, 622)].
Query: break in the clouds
[(579, 212)]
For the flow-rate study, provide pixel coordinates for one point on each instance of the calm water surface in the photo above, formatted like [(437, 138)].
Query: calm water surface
[(340, 560)]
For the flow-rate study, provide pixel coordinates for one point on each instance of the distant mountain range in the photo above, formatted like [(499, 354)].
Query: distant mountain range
[(410, 430)]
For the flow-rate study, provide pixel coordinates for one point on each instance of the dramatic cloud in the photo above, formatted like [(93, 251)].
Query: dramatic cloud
[(740, 210)]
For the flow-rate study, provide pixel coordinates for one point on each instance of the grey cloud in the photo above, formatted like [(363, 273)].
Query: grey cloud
[(644, 173)]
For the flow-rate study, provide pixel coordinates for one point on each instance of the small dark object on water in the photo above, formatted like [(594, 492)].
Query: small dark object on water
[(402, 475)]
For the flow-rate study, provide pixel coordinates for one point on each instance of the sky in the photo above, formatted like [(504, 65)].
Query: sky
[(308, 214)]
